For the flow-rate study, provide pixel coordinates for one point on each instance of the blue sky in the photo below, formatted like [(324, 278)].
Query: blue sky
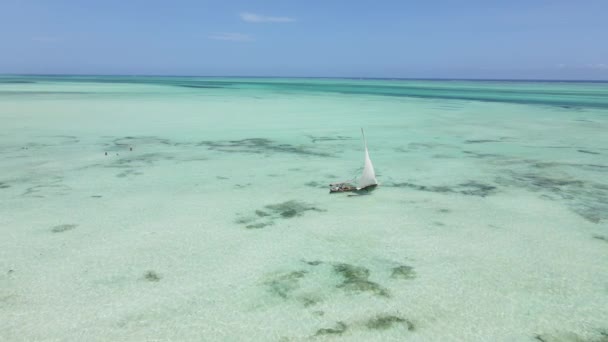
[(532, 39)]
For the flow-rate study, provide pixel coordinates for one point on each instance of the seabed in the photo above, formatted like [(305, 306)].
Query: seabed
[(189, 209)]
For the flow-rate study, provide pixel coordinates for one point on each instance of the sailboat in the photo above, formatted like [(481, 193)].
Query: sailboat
[(366, 182)]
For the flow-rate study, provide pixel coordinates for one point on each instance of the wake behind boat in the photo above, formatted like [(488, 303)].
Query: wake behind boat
[(367, 181)]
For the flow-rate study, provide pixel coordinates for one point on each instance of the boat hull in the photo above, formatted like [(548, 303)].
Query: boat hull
[(368, 188), (341, 187), (336, 188)]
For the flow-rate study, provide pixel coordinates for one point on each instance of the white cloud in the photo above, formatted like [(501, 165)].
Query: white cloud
[(257, 18), (231, 36)]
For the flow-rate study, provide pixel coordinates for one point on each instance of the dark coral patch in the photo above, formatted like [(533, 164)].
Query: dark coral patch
[(481, 141), (403, 272), (259, 145), (601, 237), (588, 152), (289, 213), (285, 210), (259, 225), (481, 155), (351, 272), (314, 184), (338, 329), (129, 172), (383, 322), (284, 284), (63, 228), (261, 213), (355, 279), (291, 209), (313, 262), (365, 286), (602, 336), (309, 300), (470, 188), (548, 183), (244, 220), (314, 139), (586, 198), (473, 188), (126, 143), (152, 276)]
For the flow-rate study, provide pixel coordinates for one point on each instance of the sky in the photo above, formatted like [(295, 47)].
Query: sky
[(516, 39)]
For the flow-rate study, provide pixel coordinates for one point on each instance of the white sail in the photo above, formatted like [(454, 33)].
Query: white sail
[(369, 175)]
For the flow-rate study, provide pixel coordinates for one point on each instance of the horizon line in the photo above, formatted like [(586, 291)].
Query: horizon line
[(324, 77)]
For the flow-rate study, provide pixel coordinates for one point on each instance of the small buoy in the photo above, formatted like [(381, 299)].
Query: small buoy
[(106, 153)]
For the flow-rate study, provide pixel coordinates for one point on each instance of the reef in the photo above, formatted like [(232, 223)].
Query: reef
[(259, 225), (314, 139), (259, 146), (481, 141), (470, 188), (63, 228), (383, 322), (131, 163), (129, 172), (338, 329), (124, 143), (138, 160), (272, 212), (427, 145), (481, 155), (314, 184), (261, 213), (313, 262), (309, 300), (403, 272), (600, 336), (152, 276), (601, 237), (588, 152), (355, 279), (50, 187), (587, 199), (291, 209), (284, 284)]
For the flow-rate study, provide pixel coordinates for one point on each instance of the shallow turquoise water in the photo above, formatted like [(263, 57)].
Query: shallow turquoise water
[(490, 223)]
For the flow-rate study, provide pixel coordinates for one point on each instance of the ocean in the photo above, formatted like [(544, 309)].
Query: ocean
[(197, 209)]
